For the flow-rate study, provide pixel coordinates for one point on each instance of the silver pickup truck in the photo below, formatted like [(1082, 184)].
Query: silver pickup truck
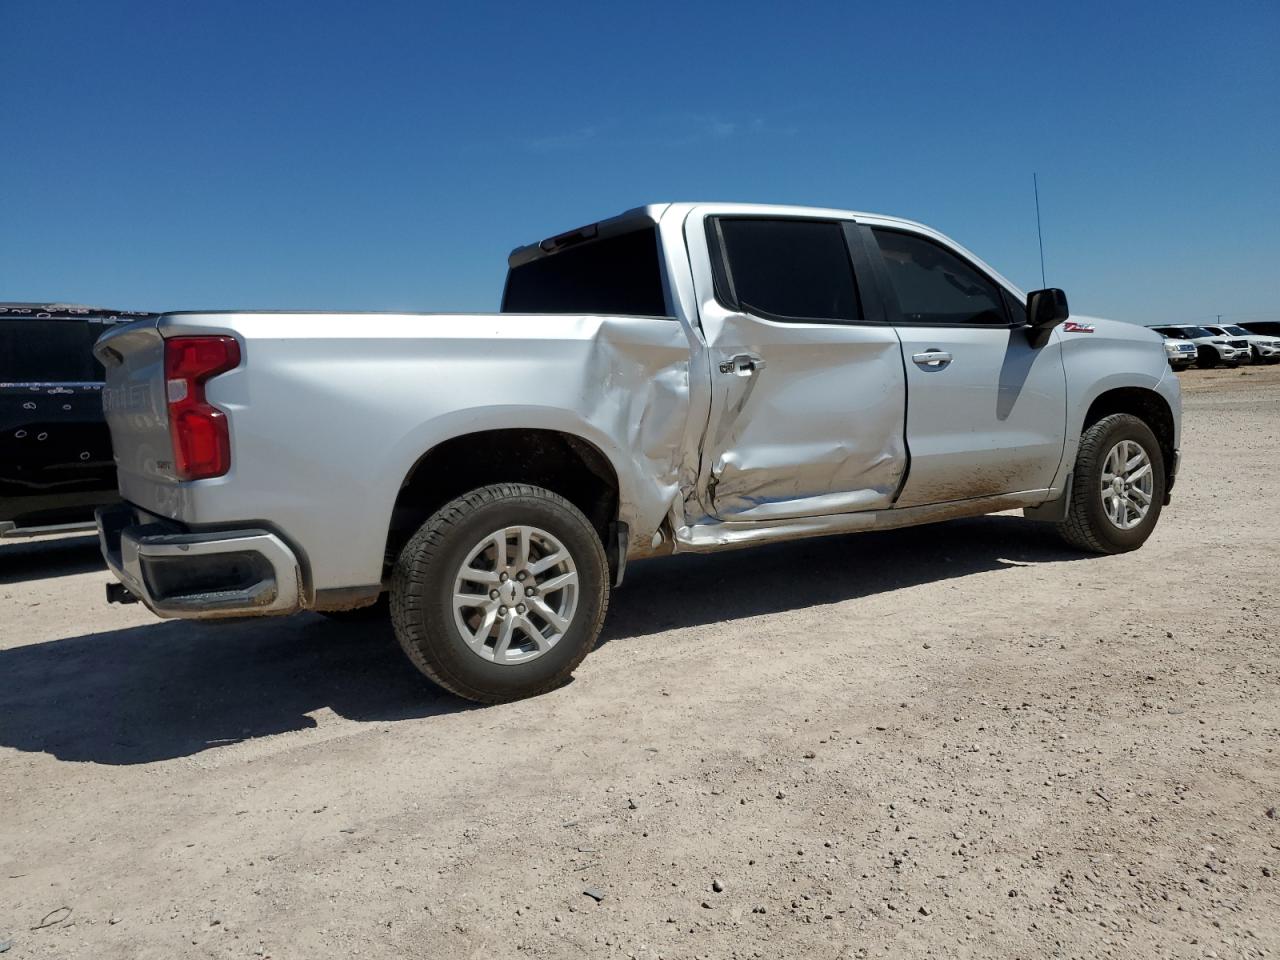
[(684, 377)]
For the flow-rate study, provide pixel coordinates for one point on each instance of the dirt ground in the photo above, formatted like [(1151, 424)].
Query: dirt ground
[(960, 740)]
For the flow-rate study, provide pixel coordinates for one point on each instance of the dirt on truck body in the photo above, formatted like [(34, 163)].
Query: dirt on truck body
[(964, 739)]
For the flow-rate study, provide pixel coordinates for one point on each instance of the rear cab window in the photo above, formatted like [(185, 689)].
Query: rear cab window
[(617, 275), (48, 350)]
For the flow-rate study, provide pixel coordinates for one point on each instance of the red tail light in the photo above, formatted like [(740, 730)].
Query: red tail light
[(198, 429)]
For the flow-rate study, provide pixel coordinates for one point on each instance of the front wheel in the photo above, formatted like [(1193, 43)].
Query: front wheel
[(1207, 358), (501, 593), (1117, 487)]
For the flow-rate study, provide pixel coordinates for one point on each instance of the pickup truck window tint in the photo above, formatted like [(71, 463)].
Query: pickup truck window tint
[(934, 286), (790, 269), (617, 275), (1017, 309), (49, 351)]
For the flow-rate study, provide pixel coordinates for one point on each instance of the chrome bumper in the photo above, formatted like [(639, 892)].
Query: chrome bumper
[(180, 573)]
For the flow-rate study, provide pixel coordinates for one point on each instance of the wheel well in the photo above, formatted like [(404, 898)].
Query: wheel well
[(560, 462), (1147, 405)]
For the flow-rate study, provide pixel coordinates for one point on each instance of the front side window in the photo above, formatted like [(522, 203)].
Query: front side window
[(786, 269), (934, 286)]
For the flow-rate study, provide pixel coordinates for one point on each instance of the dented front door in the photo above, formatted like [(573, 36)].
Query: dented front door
[(807, 413)]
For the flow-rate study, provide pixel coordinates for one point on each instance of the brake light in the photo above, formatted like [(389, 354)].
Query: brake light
[(198, 430)]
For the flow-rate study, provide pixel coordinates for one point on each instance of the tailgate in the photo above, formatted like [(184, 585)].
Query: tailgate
[(133, 399)]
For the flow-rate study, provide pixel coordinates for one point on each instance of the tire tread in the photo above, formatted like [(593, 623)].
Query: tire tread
[(430, 539), (1078, 529)]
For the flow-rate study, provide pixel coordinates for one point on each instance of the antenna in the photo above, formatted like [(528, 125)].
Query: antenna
[(1040, 236)]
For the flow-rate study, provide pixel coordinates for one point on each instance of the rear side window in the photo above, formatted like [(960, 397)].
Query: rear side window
[(48, 351), (785, 269), (936, 287), (617, 275)]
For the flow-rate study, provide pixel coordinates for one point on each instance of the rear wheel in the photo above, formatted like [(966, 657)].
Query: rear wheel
[(501, 593), (1117, 487)]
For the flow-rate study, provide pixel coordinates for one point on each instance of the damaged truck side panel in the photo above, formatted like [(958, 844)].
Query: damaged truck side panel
[(384, 395), (785, 394), (682, 377)]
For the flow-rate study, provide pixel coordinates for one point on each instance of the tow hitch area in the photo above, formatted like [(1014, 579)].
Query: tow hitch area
[(119, 593)]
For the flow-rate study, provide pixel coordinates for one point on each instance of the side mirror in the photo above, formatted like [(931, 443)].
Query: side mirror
[(1045, 310)]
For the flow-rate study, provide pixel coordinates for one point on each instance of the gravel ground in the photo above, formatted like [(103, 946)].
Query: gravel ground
[(961, 740)]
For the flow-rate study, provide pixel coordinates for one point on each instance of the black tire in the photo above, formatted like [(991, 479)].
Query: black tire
[(1087, 526), (1207, 358), (422, 584), (380, 610)]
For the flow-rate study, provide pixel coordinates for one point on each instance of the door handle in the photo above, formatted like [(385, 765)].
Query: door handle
[(743, 365), (933, 359)]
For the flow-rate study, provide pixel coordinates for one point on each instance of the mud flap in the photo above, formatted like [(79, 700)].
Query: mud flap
[(615, 551), (1055, 511)]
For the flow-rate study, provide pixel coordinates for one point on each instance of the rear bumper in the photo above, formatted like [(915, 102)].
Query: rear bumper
[(180, 573)]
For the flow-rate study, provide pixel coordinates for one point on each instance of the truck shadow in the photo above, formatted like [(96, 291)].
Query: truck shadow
[(692, 590), (41, 559), (173, 689)]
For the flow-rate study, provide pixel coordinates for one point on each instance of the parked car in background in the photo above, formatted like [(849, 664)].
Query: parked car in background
[(1266, 328), (55, 450), (1181, 353), (680, 378), (1211, 348), (1262, 348)]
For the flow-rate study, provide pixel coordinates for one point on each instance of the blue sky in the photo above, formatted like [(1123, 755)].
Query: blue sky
[(389, 155)]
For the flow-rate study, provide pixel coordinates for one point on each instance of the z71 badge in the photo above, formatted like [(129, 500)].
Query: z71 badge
[(1071, 326)]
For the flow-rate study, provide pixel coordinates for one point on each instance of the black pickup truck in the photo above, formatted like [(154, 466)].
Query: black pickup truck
[(55, 451)]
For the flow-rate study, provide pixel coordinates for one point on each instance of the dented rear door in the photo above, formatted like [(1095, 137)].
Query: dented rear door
[(808, 393)]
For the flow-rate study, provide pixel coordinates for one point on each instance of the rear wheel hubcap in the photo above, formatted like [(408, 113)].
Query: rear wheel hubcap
[(515, 595)]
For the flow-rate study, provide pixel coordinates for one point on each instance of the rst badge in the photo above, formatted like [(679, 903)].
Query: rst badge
[(1073, 326)]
